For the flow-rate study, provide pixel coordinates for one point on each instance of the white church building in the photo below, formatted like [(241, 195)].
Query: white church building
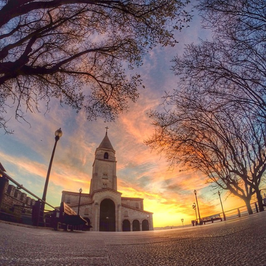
[(104, 207)]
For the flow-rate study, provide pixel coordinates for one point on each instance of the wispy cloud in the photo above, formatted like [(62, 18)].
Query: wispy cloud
[(141, 172)]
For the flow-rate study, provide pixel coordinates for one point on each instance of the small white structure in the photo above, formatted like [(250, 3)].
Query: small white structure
[(103, 207)]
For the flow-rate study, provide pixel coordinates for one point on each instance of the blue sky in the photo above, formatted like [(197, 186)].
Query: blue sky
[(141, 172)]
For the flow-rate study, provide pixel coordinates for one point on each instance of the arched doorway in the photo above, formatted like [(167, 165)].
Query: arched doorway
[(145, 225), (107, 215), (136, 225), (126, 225)]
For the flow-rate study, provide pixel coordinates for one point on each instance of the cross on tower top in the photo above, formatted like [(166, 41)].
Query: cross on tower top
[(106, 129)]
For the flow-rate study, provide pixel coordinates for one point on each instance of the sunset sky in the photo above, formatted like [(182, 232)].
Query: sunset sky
[(168, 193)]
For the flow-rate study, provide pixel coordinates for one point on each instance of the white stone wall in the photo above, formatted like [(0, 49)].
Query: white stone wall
[(90, 208), (104, 171), (99, 154), (72, 198), (98, 198), (105, 175), (135, 203), (131, 215)]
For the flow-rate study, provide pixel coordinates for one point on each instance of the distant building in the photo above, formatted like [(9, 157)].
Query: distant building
[(104, 207), (15, 205)]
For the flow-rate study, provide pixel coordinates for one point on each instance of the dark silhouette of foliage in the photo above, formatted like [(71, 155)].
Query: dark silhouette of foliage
[(215, 121), (232, 66), (77, 50), (227, 144)]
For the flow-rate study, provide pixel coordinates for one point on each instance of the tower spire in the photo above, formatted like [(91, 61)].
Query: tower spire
[(104, 167), (106, 144)]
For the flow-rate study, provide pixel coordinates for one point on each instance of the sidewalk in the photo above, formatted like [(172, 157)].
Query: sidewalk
[(237, 242)]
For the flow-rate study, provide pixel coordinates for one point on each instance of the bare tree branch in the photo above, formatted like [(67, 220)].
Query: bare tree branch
[(47, 46)]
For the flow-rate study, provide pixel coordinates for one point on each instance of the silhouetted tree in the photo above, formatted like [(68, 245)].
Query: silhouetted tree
[(227, 144), (77, 51), (215, 120), (231, 66)]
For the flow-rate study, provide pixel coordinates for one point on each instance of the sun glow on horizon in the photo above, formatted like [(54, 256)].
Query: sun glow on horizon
[(141, 172)]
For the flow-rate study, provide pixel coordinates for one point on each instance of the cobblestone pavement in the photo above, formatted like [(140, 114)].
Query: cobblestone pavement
[(238, 242)]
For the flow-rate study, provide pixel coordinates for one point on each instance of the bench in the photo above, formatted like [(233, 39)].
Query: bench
[(211, 218), (67, 218)]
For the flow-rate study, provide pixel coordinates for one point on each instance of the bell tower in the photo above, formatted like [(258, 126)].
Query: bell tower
[(104, 167)]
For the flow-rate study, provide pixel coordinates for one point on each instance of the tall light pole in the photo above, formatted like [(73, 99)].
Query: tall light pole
[(195, 192), (80, 191), (58, 134), (194, 208), (222, 205)]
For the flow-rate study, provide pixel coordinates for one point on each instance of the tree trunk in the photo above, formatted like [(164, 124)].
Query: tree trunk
[(259, 198), (249, 209)]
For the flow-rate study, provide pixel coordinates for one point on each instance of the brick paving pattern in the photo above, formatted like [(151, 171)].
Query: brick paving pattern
[(238, 242)]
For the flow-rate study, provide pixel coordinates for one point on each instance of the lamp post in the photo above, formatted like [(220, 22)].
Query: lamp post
[(222, 205), (195, 192), (58, 134), (80, 191), (194, 208)]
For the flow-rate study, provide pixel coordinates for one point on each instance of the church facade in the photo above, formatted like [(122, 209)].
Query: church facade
[(104, 207)]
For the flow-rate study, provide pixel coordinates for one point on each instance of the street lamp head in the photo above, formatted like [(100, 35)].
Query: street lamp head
[(219, 193), (58, 134), (195, 191), (80, 190)]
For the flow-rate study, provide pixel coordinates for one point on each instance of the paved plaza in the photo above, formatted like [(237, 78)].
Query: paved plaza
[(238, 242)]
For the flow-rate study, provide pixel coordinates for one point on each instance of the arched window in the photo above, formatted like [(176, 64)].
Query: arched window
[(126, 225), (106, 155), (145, 225), (136, 225)]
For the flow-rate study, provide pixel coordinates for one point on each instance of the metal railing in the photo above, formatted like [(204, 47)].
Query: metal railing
[(241, 211), (23, 188), (8, 215), (235, 213)]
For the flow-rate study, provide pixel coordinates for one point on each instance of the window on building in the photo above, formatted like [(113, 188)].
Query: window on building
[(104, 183), (106, 155), (105, 175), (137, 205)]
